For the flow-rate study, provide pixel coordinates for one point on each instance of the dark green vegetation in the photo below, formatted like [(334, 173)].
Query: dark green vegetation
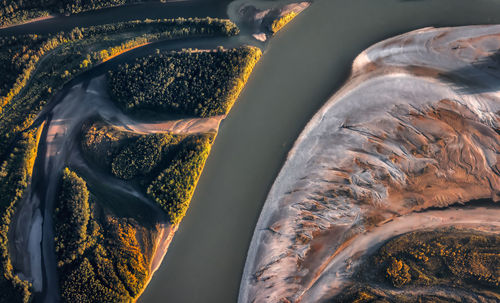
[(15, 175), (16, 11), (466, 262), (140, 157), (71, 218), (199, 83), (166, 166), (173, 188), (33, 69), (66, 55), (99, 256)]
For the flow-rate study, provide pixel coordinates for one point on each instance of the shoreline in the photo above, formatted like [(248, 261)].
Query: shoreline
[(180, 126), (29, 21), (161, 248), (363, 158)]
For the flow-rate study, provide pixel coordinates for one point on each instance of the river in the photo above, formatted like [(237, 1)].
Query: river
[(302, 67)]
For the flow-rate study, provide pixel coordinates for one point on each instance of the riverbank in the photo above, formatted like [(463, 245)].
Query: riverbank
[(340, 267), (62, 139), (423, 141), (203, 272), (181, 126), (262, 19), (28, 21)]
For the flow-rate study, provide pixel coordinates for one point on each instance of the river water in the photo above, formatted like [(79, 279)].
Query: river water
[(302, 67), (300, 70)]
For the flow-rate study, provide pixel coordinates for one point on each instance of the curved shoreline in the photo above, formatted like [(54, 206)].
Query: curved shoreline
[(355, 160), (345, 261)]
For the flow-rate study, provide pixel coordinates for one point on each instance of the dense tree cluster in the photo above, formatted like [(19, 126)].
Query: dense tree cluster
[(141, 156), (15, 174), (15, 11), (167, 166), (282, 21), (71, 218), (68, 54), (200, 83), (173, 188), (99, 256), (34, 68), (102, 142), (16, 55)]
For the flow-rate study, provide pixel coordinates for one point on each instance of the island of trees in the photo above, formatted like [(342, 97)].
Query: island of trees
[(191, 82), (67, 55), (164, 166), (34, 68)]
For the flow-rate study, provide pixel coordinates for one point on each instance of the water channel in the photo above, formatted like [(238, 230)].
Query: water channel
[(302, 67)]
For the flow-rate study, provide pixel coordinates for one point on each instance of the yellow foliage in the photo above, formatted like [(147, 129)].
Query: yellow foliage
[(279, 23)]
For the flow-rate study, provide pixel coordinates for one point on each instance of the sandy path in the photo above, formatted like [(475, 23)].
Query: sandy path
[(28, 21), (181, 126)]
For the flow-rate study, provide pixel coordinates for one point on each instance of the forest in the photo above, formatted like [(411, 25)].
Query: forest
[(173, 188), (16, 11), (279, 23), (140, 157), (191, 82), (99, 255), (463, 260), (66, 55), (166, 166), (15, 174), (34, 68)]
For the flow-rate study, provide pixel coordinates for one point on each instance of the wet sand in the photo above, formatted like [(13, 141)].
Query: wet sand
[(414, 127)]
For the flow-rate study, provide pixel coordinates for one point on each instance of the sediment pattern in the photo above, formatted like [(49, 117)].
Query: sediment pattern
[(416, 126)]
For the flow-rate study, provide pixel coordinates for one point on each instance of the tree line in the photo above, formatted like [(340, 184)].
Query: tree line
[(167, 166), (192, 82), (15, 11), (68, 54), (28, 84), (173, 188), (15, 175), (99, 255)]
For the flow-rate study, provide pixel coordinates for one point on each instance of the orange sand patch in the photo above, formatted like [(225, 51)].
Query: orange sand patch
[(124, 51)]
